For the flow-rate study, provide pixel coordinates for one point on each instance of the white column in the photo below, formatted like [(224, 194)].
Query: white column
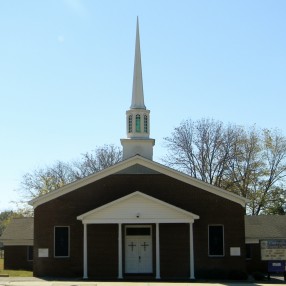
[(120, 276), (85, 251), (158, 276), (192, 266)]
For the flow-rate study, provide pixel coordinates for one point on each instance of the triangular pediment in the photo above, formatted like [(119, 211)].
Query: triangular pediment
[(138, 208), (139, 165)]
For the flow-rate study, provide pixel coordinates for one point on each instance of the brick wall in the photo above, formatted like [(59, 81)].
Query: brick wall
[(211, 208)]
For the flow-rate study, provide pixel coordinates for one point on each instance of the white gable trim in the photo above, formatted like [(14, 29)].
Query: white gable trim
[(251, 240), (18, 242), (137, 208), (143, 162)]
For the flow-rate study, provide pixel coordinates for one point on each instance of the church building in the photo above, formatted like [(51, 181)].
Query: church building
[(138, 219)]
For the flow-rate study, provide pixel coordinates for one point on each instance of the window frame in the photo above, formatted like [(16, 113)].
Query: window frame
[(138, 123), (248, 251), (68, 248), (223, 241), (138, 226), (30, 253)]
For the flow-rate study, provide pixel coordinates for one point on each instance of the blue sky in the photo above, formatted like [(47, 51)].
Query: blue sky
[(66, 70)]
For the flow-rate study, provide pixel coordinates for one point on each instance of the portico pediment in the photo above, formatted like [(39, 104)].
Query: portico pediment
[(137, 208)]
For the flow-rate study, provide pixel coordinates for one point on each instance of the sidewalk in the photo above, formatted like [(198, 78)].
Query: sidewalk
[(32, 281)]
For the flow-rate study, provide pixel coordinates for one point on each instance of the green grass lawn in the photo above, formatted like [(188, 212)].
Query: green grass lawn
[(14, 273)]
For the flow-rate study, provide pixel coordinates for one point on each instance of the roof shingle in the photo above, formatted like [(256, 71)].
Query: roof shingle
[(19, 229), (265, 226)]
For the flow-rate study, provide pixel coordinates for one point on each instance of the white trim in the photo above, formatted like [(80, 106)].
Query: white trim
[(120, 272), (158, 271), (58, 226), (85, 265), (134, 221), (252, 240), (188, 216), (145, 163), (17, 242), (192, 259), (257, 240)]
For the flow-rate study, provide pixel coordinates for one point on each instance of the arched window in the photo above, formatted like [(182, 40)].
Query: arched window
[(130, 124), (145, 124), (138, 123)]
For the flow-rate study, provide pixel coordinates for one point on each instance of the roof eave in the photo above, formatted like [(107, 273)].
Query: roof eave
[(137, 159)]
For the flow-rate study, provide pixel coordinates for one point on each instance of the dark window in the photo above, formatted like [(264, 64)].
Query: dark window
[(216, 241), (30, 253), (248, 251), (61, 241), (138, 231)]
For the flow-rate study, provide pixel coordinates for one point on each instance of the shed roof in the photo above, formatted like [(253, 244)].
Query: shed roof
[(265, 227), (20, 231)]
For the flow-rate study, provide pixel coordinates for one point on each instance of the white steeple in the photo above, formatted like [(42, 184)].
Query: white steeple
[(137, 92), (137, 117)]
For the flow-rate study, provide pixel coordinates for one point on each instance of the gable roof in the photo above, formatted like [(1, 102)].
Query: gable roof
[(143, 162), (20, 231), (138, 208), (265, 227)]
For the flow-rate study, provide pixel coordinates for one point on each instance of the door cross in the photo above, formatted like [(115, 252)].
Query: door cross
[(132, 245), (144, 245)]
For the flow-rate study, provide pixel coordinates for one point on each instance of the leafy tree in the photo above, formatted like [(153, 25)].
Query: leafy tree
[(5, 218), (250, 163)]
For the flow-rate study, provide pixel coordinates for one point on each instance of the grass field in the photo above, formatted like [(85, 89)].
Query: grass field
[(14, 273)]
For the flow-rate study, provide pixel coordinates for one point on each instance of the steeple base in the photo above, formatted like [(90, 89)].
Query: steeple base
[(142, 147)]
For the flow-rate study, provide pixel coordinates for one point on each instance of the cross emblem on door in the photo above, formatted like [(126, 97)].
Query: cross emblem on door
[(132, 245), (144, 245)]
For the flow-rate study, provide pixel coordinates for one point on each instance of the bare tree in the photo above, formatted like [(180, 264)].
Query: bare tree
[(274, 155), (97, 160), (250, 163), (44, 180), (202, 149)]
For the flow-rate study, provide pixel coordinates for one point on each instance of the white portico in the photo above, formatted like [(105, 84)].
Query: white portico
[(134, 214)]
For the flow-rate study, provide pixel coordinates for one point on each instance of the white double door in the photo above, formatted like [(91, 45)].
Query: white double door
[(138, 254)]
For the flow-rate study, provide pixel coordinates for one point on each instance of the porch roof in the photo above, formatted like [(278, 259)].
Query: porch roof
[(138, 208)]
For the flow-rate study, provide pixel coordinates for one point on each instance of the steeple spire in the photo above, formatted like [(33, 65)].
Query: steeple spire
[(137, 117), (137, 92)]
